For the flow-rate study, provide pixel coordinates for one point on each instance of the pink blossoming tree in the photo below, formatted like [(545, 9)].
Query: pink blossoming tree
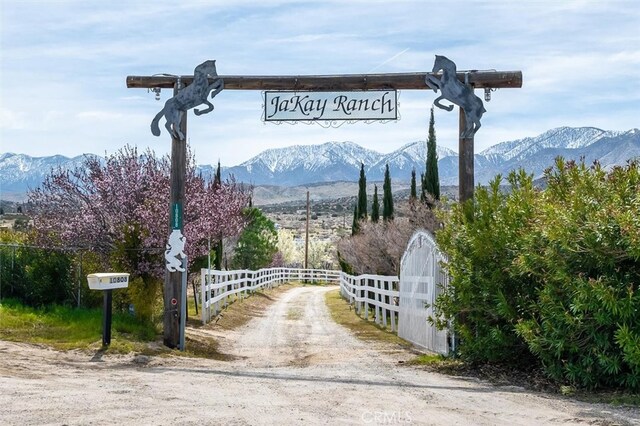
[(119, 208)]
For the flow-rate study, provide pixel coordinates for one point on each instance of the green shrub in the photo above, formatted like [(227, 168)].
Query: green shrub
[(144, 295), (483, 300), (585, 257), (37, 277), (550, 276)]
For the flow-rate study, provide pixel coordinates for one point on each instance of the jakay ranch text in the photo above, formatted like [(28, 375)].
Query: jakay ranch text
[(363, 105)]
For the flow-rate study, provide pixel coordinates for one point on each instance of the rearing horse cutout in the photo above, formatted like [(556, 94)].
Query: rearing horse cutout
[(456, 92), (191, 96)]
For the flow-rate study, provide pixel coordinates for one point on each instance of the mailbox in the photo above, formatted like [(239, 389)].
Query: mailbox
[(108, 281)]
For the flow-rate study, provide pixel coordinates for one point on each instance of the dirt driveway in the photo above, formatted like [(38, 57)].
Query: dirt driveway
[(294, 365)]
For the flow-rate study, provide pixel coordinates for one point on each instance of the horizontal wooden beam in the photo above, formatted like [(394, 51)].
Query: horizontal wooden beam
[(399, 81)]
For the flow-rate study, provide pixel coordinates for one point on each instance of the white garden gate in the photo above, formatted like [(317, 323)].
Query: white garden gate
[(422, 279)]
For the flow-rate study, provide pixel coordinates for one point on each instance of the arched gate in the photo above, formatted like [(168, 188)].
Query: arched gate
[(422, 279)]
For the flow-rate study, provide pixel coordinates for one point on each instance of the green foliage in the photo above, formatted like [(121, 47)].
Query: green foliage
[(35, 276), (482, 299), (362, 194), (219, 253), (431, 178), (387, 198), (355, 225), (375, 207), (413, 194), (344, 265), (258, 242), (143, 291), (585, 257), (144, 295), (552, 274), (65, 327)]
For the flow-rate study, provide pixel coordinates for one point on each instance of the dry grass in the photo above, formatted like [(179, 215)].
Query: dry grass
[(343, 314)]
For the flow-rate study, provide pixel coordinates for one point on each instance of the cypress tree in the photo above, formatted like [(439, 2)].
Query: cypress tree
[(432, 180), (355, 225), (217, 180), (423, 190), (375, 207), (414, 194), (362, 194), (387, 198)]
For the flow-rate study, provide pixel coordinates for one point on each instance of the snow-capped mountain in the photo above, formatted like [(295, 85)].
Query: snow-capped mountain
[(536, 154), (340, 161), (411, 156), (19, 172), (298, 164), (328, 162), (561, 137)]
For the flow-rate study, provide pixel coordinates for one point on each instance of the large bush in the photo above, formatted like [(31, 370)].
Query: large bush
[(483, 299), (552, 274), (35, 276), (584, 255), (258, 242)]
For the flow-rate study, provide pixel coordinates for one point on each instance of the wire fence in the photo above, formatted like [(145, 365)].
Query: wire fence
[(45, 274)]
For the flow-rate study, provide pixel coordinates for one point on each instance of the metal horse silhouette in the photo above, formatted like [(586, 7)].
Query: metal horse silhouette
[(195, 94), (456, 92)]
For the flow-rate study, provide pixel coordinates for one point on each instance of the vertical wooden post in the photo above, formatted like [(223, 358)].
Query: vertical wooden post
[(465, 163), (306, 240), (173, 280)]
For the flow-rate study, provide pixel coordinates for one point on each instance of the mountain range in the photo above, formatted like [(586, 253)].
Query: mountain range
[(340, 161), (333, 161)]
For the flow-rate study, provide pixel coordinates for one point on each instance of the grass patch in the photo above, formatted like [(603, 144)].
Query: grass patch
[(294, 314), (65, 328), (440, 363), (343, 314)]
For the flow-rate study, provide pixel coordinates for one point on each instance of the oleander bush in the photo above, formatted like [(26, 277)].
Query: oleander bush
[(484, 300), (550, 276)]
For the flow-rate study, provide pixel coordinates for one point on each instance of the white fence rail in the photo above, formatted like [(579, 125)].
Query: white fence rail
[(401, 304), (374, 294), (219, 288)]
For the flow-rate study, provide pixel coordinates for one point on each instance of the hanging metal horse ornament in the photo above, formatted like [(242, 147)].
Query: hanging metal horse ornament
[(195, 94), (456, 92)]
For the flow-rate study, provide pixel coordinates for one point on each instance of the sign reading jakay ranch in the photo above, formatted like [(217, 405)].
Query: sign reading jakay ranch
[(314, 106)]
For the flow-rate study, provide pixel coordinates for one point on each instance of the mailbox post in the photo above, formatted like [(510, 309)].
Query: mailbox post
[(106, 282)]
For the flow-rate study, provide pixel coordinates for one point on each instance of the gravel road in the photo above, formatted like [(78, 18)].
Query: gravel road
[(294, 365)]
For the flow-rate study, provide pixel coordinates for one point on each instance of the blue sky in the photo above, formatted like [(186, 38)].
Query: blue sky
[(63, 67)]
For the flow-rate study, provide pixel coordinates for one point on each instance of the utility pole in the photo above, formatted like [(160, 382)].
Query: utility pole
[(306, 243)]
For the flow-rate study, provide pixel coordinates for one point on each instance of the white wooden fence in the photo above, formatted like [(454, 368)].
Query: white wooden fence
[(375, 294), (219, 288), (401, 304)]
